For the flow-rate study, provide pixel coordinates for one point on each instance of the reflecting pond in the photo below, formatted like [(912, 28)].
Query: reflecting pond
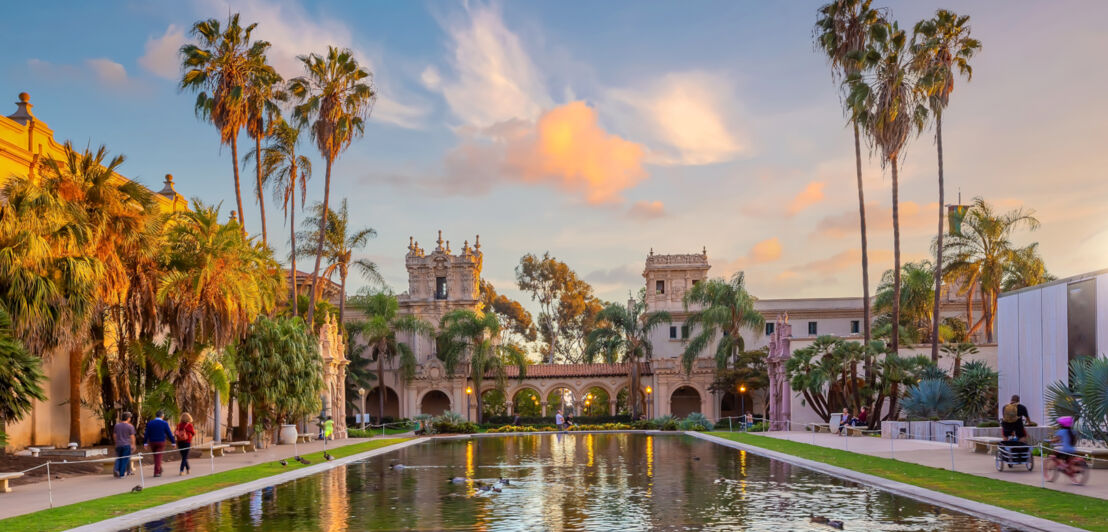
[(569, 481)]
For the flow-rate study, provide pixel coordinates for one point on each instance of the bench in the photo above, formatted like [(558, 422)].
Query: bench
[(4, 478), (984, 444), (1096, 457), (212, 450), (305, 438), (109, 467), (856, 431), (242, 446)]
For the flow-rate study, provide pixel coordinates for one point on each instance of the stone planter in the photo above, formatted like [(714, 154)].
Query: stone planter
[(288, 434), (921, 430)]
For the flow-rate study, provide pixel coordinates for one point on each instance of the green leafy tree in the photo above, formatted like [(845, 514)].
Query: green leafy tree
[(915, 299), (811, 370), (941, 45), (842, 32), (980, 255), (975, 388), (1025, 268), (568, 310), (958, 351), (510, 312), (263, 112), (280, 370), (470, 339), (338, 250), (220, 66), (885, 98), (726, 311), (21, 378), (624, 336), (335, 97), (379, 330)]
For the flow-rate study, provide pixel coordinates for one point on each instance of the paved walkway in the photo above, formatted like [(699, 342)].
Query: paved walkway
[(34, 497), (938, 454)]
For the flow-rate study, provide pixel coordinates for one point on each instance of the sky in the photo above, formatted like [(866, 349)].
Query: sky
[(599, 131)]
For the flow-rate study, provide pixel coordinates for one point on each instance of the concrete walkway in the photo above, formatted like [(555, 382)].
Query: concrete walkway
[(939, 454), (34, 497)]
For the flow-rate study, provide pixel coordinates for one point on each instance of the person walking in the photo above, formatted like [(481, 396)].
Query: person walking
[(328, 428), (560, 421), (184, 433), (158, 435), (124, 443)]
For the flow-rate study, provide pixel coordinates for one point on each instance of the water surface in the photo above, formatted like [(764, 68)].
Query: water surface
[(570, 481)]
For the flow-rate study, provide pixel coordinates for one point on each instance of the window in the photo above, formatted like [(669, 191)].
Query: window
[(659, 287), (1081, 318), (695, 281), (855, 325), (672, 332), (812, 329), (769, 327), (440, 287), (684, 332)]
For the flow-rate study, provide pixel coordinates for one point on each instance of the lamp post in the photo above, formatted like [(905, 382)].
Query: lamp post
[(469, 392), (649, 402), (361, 393), (742, 401)]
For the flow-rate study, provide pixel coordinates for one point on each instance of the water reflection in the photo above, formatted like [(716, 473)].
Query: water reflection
[(569, 481)]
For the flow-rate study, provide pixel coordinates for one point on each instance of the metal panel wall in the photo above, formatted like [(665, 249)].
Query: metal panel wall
[(1031, 352), (1008, 348), (1102, 315), (1055, 347)]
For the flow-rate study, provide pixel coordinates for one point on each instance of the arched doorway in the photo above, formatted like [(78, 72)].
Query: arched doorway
[(623, 405), (527, 403), (684, 401), (434, 403), (596, 402), (391, 409), (561, 399), (493, 403), (731, 406)]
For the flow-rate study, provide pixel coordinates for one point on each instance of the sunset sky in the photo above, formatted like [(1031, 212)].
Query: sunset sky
[(600, 130)]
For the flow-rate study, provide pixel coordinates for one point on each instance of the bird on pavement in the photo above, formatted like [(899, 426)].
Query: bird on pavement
[(327, 457), (136, 489), (284, 463)]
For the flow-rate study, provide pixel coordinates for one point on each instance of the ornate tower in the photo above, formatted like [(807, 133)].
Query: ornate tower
[(439, 282)]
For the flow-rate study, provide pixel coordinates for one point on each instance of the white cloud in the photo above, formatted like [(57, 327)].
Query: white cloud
[(105, 72), (160, 57), (690, 115), (493, 78), (431, 78)]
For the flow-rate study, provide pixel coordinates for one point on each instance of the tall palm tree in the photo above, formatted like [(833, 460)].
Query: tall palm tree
[(338, 249), (726, 309), (915, 298), (941, 45), (981, 252), (885, 97), (219, 67), (472, 338), (262, 96), (842, 33), (287, 171), (336, 96), (625, 336), (1025, 268), (379, 331)]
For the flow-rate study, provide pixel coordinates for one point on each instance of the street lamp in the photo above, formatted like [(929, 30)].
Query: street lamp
[(361, 393), (742, 401), (649, 402), (469, 392)]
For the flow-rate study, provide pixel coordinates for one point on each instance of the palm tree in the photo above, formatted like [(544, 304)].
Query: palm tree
[(624, 335), (842, 33), (1025, 268), (288, 172), (472, 338), (942, 44), (21, 378), (379, 331), (339, 247), (726, 309), (336, 96), (980, 254), (885, 98), (958, 351), (220, 67), (915, 298), (263, 114)]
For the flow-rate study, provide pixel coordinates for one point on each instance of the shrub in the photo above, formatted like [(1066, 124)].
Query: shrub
[(450, 423), (665, 423), (549, 420), (976, 390), (760, 426), (513, 428), (696, 421), (931, 398), (644, 424), (1084, 396)]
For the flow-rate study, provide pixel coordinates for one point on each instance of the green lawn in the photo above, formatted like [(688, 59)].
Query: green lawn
[(83, 513), (1075, 510)]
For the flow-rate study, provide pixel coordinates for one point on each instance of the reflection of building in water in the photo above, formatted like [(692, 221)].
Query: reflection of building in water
[(334, 509)]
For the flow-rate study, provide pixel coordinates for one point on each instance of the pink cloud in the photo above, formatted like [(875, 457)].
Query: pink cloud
[(647, 210), (812, 194)]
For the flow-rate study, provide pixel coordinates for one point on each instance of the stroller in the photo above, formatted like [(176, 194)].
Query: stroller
[(1012, 453)]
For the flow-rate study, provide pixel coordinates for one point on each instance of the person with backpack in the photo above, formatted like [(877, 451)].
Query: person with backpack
[(1011, 422), (184, 433)]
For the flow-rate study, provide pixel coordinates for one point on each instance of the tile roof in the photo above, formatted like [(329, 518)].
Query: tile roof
[(551, 371)]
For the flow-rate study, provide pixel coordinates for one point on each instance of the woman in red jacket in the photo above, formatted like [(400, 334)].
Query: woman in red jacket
[(184, 434)]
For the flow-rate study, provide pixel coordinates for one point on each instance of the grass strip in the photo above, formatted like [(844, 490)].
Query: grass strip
[(1075, 510), (83, 513)]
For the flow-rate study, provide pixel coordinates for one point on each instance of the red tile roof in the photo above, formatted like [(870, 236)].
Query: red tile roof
[(551, 371)]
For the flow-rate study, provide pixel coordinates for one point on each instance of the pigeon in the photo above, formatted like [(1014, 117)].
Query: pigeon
[(284, 463), (303, 460), (818, 519), (327, 457), (136, 489), (505, 481), (835, 523)]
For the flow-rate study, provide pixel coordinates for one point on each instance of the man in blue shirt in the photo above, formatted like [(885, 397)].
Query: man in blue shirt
[(157, 433)]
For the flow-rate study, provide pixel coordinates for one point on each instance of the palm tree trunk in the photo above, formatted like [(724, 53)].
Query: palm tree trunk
[(865, 253), (988, 301), (938, 244), (75, 394), (319, 247), (292, 240), (261, 199), (238, 191), (381, 384), (896, 257), (342, 298)]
